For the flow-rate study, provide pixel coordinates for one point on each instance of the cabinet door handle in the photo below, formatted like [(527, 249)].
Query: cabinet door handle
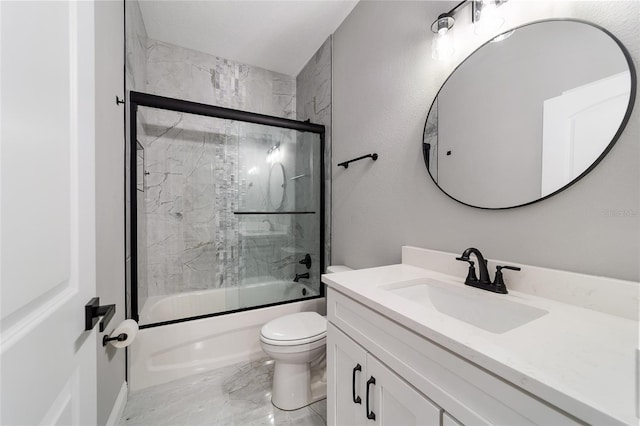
[(356, 398), (370, 414)]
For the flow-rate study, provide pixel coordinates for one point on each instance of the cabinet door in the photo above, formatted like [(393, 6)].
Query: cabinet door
[(447, 420), (346, 367), (394, 402)]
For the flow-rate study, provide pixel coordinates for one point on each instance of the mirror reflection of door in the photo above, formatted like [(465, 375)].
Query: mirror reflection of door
[(577, 127), (140, 173)]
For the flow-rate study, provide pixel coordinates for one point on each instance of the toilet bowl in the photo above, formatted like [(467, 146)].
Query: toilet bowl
[(297, 344), (338, 268)]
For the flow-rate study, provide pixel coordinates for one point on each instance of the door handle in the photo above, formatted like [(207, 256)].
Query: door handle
[(93, 311), (356, 398), (370, 414)]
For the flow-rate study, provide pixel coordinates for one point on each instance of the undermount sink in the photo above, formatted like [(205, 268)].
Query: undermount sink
[(489, 311)]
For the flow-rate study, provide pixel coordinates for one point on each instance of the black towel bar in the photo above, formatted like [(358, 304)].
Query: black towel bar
[(345, 164)]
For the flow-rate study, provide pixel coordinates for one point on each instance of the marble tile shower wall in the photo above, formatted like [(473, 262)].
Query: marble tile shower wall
[(198, 173), (313, 102), (135, 69), (182, 73), (189, 202)]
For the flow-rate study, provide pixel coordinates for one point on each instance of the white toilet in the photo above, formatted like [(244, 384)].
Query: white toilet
[(297, 344)]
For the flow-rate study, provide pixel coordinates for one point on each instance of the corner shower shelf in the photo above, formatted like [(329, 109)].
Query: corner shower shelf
[(243, 213)]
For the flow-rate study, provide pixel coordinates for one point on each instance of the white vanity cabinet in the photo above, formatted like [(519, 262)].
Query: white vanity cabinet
[(346, 372), (447, 420), (364, 391), (417, 382)]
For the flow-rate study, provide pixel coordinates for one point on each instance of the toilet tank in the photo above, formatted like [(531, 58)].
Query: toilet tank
[(338, 268)]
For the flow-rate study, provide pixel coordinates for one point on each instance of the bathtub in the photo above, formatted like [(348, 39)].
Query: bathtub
[(168, 352), (196, 303)]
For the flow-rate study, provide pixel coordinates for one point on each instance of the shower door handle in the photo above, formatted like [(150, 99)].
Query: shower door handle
[(356, 398)]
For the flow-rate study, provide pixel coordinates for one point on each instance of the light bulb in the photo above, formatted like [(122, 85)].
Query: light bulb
[(442, 45), (489, 20)]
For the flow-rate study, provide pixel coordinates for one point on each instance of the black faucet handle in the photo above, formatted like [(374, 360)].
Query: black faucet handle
[(513, 268), (471, 275), (306, 261), (499, 280)]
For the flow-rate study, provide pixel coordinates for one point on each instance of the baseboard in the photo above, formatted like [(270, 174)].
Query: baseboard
[(118, 407)]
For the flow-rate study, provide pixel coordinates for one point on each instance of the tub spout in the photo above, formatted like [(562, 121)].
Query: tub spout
[(297, 278)]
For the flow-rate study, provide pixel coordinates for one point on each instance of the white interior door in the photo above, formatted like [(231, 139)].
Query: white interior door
[(48, 370), (577, 127)]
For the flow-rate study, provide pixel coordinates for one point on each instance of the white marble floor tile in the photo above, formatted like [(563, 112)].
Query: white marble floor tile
[(236, 395), (320, 408)]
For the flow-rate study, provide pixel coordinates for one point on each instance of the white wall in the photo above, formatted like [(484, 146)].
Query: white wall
[(384, 81), (109, 194)]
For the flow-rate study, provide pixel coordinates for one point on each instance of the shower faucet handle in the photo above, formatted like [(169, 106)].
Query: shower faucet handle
[(306, 261)]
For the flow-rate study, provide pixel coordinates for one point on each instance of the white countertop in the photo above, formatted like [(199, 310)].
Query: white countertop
[(580, 360)]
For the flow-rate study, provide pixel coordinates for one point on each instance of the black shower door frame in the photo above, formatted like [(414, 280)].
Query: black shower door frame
[(137, 99)]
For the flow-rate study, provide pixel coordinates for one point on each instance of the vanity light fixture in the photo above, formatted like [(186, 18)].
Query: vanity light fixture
[(483, 15), (442, 45), (273, 154)]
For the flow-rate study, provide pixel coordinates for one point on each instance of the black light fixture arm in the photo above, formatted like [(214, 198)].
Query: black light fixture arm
[(345, 164), (445, 20), (456, 8)]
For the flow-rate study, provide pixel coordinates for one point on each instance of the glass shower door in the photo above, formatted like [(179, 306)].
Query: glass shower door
[(278, 216), (226, 213)]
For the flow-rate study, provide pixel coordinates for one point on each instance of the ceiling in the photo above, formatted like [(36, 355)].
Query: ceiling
[(277, 35)]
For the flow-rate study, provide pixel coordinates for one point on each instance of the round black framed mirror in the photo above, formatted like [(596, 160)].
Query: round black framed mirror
[(528, 114), (276, 186)]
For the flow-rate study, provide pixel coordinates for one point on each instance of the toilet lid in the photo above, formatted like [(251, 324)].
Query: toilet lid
[(299, 326)]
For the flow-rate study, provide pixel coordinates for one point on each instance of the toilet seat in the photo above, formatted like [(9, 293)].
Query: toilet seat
[(308, 341), (294, 349), (297, 329)]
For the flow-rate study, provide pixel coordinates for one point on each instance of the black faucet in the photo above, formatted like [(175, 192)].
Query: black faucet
[(482, 264), (484, 283), (297, 278)]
